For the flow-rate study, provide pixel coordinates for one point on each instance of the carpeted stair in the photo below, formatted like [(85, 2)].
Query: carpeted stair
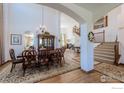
[(104, 52)]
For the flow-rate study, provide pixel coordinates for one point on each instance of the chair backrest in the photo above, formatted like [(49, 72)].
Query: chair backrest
[(62, 51), (42, 54), (25, 55), (32, 55), (57, 53), (29, 55), (12, 54)]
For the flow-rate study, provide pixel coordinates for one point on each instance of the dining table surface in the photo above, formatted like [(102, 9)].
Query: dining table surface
[(50, 52)]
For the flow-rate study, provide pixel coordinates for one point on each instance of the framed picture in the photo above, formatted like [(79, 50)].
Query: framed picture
[(101, 23), (16, 39)]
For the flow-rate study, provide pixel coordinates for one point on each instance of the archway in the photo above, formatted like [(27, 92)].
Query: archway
[(87, 56)]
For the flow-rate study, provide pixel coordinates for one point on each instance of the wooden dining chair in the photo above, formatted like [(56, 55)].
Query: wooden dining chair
[(56, 57), (43, 58), (30, 59), (14, 59)]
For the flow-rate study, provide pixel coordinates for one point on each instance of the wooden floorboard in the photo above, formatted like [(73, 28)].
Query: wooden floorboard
[(78, 76)]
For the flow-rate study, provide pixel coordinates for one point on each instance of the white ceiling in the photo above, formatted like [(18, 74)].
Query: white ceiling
[(98, 9), (93, 7)]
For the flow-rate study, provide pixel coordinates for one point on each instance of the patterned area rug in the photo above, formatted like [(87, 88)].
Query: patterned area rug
[(34, 75), (77, 59), (111, 70)]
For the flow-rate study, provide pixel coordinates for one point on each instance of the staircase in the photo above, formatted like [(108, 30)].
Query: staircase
[(105, 53)]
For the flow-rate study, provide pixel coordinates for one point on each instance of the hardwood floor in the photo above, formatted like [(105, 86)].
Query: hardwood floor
[(4, 65), (78, 76)]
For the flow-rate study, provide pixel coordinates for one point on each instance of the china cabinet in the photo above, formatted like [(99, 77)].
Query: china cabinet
[(46, 41)]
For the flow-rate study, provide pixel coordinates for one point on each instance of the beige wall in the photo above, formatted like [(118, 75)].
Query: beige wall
[(1, 31)]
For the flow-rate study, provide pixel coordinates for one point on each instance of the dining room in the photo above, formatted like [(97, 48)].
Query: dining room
[(33, 50)]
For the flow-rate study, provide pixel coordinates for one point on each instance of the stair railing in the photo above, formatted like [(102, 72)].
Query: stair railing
[(99, 37), (116, 52)]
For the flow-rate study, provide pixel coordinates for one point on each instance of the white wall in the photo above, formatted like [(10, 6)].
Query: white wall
[(67, 24), (1, 33), (69, 34), (121, 46), (20, 18), (121, 33), (74, 38), (51, 19), (112, 28), (115, 28)]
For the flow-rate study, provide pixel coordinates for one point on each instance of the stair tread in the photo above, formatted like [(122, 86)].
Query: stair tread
[(104, 52), (99, 60), (106, 47), (99, 49), (108, 56), (106, 59)]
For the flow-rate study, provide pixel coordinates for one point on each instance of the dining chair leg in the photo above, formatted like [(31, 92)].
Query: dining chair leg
[(48, 66), (12, 67), (61, 62), (24, 69), (24, 72)]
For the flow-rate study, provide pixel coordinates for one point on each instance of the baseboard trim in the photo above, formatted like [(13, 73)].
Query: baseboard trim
[(5, 63), (121, 64), (87, 72)]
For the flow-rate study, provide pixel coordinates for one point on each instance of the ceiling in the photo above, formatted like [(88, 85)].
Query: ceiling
[(93, 7), (98, 9)]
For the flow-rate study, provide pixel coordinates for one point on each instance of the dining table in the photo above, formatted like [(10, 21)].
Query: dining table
[(51, 52)]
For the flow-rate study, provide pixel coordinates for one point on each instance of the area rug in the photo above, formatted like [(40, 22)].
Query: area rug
[(77, 59), (34, 75), (110, 70)]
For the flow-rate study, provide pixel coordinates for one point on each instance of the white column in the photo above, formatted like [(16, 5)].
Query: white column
[(87, 51)]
